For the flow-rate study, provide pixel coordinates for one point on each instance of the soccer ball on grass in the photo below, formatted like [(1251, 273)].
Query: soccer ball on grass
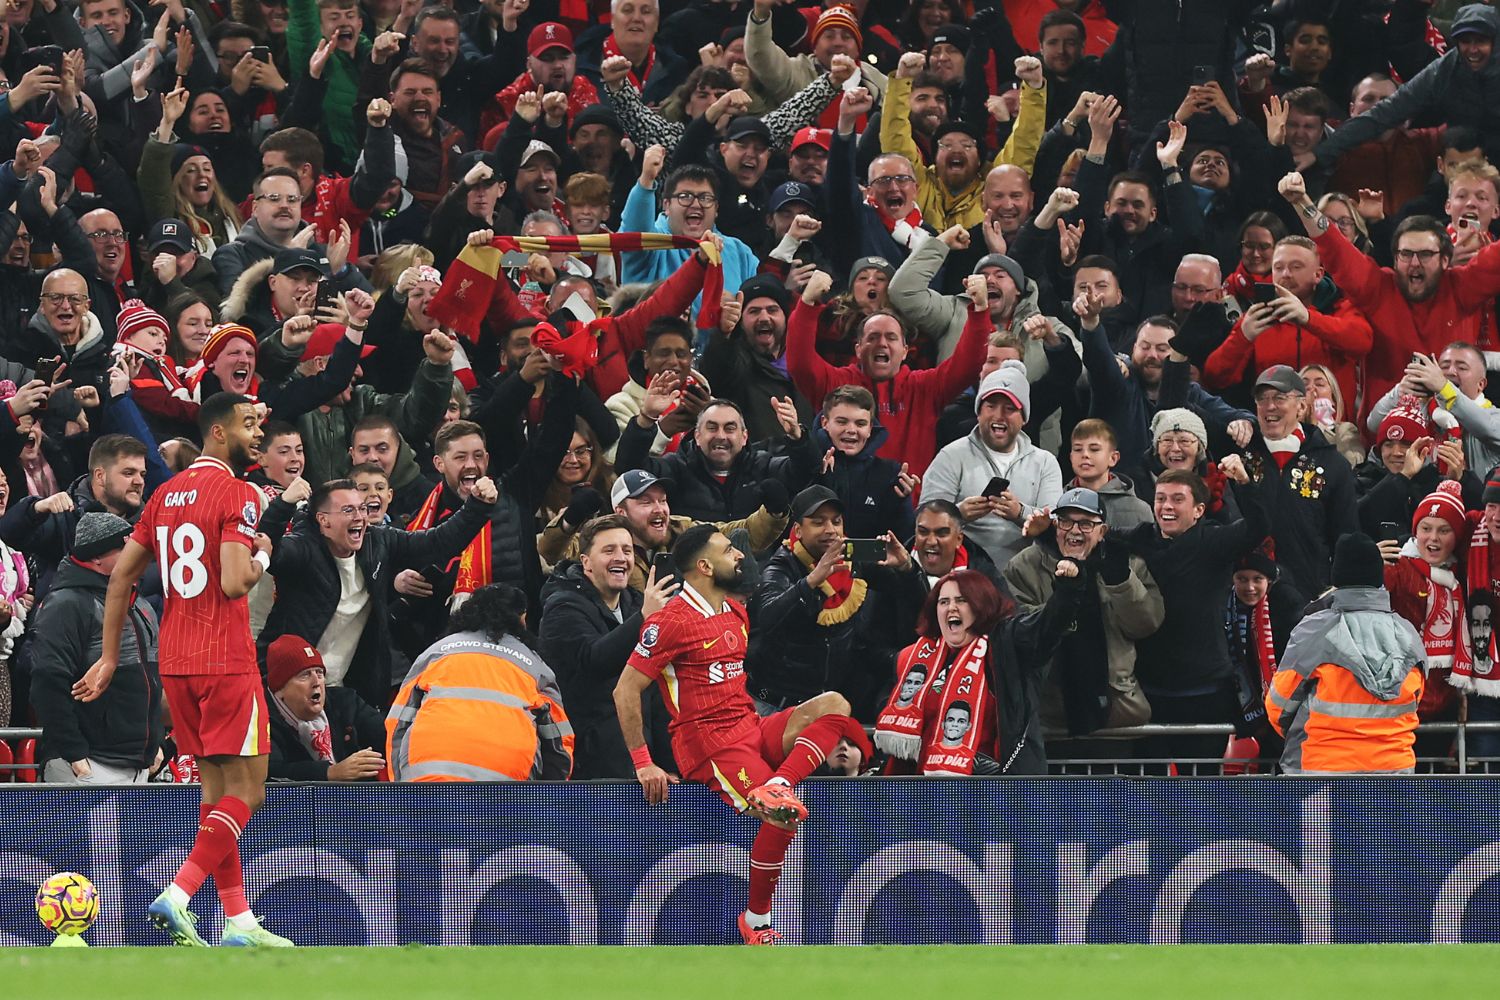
[(67, 903)]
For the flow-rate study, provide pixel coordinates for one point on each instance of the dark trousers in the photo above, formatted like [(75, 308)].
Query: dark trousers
[(1220, 706)]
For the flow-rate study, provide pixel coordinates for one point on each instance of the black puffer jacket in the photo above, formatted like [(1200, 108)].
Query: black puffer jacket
[(352, 725), (792, 658), (697, 493), (866, 485), (587, 647), (124, 727), (308, 587)]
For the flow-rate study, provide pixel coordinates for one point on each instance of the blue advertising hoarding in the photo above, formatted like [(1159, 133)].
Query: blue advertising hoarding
[(899, 861)]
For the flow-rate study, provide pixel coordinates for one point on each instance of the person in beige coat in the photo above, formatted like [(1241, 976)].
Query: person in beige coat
[(1092, 684)]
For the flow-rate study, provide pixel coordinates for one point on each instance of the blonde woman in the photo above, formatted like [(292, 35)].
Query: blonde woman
[(1324, 406), (178, 181), (391, 261), (1343, 211)]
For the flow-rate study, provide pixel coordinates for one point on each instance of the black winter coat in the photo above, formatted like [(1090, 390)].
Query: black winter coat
[(352, 724), (697, 493), (866, 485), (739, 373), (1385, 496), (1309, 504), (308, 587), (123, 728), (587, 649)]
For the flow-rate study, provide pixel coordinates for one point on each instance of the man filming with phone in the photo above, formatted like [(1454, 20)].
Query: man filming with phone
[(815, 616)]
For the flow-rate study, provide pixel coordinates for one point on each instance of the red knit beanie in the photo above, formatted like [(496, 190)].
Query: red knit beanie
[(1445, 502), (220, 338), (1407, 422), (837, 16), (135, 316), (288, 656)]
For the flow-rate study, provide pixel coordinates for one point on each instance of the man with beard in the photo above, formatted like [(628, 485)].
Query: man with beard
[(949, 191), (535, 187), (807, 156), (743, 358), (695, 649), (779, 76), (743, 155), (1127, 402), (717, 475), (43, 527), (551, 68), (690, 207), (591, 617), (334, 573), (641, 499), (1147, 250), (431, 143), (816, 617), (1420, 305)]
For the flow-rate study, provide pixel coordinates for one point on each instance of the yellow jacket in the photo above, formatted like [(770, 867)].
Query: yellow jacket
[(941, 207)]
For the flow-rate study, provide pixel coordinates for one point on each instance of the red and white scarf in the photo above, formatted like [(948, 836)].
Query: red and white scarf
[(316, 737), (1479, 673), (1283, 450), (1444, 636), (907, 231), (475, 565), (637, 80), (914, 731)]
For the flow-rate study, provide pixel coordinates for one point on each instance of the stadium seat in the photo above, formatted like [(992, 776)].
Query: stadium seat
[(26, 754), (6, 757)]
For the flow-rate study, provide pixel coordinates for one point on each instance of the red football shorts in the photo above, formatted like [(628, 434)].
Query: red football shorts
[(218, 716), (734, 770)]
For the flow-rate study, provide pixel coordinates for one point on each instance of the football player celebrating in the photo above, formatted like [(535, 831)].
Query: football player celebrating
[(694, 648), (200, 527)]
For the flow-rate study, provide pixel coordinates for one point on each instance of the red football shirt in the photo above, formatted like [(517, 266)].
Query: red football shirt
[(186, 520), (696, 654)]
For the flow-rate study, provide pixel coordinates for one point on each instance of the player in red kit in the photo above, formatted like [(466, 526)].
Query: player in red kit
[(199, 526), (694, 648)]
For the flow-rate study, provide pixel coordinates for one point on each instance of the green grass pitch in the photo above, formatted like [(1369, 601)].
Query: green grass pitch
[(912, 973)]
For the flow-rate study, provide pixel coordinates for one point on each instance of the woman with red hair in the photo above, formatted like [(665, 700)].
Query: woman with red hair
[(966, 692)]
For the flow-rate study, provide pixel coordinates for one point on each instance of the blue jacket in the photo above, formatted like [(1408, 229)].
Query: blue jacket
[(640, 216)]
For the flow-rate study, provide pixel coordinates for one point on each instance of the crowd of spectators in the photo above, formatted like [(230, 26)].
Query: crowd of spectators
[(1100, 322)]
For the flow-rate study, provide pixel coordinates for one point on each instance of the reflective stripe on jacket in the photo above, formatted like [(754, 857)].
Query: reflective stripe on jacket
[(1346, 695), (475, 710)]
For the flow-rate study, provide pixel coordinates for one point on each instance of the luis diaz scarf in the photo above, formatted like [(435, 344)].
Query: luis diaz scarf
[(842, 593), (474, 565), (1478, 673), (934, 713)]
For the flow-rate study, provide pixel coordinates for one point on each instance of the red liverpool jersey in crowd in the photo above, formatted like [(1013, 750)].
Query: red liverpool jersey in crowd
[(696, 653), (186, 520)]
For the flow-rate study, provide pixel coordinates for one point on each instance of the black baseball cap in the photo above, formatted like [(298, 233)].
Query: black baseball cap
[(172, 233), (749, 125), (295, 258), (789, 192), (810, 499)]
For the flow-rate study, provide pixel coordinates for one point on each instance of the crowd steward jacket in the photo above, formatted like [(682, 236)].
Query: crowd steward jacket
[(477, 710), (1310, 503), (701, 493), (908, 405), (1126, 611), (308, 587), (792, 656), (352, 725), (1346, 694), (124, 727), (587, 646)]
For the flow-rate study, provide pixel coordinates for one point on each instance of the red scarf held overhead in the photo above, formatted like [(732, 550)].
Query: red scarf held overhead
[(475, 569), (467, 288), (1478, 674), (637, 80)]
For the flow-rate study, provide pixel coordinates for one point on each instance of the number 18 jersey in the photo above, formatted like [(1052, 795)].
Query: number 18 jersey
[(187, 519)]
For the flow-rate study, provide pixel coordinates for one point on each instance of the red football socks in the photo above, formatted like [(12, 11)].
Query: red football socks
[(766, 855), (813, 746), (218, 834)]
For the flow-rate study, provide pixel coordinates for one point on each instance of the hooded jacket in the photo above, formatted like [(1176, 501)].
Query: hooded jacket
[(587, 645), (1346, 694), (123, 728), (963, 469), (88, 360), (866, 485), (640, 216)]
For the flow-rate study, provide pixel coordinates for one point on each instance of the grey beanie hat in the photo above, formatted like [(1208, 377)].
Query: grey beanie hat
[(99, 533), (1179, 419), (1007, 264)]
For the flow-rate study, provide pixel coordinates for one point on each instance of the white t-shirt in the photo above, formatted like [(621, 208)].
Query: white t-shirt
[(341, 638)]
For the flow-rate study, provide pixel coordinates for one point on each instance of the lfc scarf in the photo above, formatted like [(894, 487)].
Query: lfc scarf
[(474, 565), (579, 350), (843, 594), (1441, 418), (907, 231), (1241, 283), (1443, 634), (912, 728), (464, 297), (1283, 450), (316, 737), (1478, 673), (637, 80)]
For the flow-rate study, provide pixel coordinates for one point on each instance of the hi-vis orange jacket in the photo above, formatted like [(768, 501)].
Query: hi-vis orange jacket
[(1345, 696), (476, 710)]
